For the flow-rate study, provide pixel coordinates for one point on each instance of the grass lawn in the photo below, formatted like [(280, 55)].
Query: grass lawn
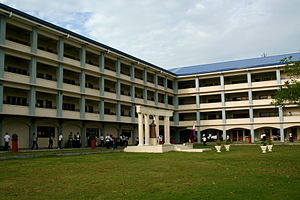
[(243, 173)]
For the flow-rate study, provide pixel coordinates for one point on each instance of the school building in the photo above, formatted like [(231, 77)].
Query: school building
[(55, 81)]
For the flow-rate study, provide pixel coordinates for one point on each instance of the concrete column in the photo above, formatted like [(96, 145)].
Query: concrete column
[(83, 134), (252, 133), (278, 76), (101, 62), (82, 81), (132, 93), (165, 83), (132, 113), (82, 55), (145, 95), (118, 111), (155, 80), (101, 86), (145, 76), (198, 127), (118, 67), (2, 62), (281, 121), (222, 82), (60, 49), (147, 130), (156, 117), (1, 102), (167, 129), (59, 104), (32, 67), (60, 76), (118, 89), (34, 40), (82, 107), (156, 97), (176, 118), (101, 109), (32, 100), (2, 30), (166, 100), (132, 72), (141, 129), (280, 109), (249, 80), (32, 129)]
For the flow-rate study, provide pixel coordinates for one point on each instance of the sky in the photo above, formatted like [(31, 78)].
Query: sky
[(176, 33)]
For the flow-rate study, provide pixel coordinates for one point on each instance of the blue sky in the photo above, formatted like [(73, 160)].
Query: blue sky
[(173, 33)]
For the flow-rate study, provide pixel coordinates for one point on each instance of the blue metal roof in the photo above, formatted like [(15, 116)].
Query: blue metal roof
[(233, 65), (10, 9)]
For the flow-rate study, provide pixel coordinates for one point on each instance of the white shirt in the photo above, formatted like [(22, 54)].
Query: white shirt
[(101, 137), (6, 138), (60, 137)]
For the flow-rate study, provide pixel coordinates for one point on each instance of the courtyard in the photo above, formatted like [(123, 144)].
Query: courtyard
[(242, 173)]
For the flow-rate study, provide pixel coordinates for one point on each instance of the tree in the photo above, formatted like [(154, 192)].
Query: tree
[(289, 93)]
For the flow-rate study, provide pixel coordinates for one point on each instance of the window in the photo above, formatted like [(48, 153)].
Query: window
[(45, 131)]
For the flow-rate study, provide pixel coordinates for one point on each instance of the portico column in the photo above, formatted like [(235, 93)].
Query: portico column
[(147, 131), (156, 117), (167, 129), (141, 131)]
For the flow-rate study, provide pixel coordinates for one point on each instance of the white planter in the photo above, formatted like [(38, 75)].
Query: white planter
[(227, 147), (264, 149), (218, 148), (270, 147)]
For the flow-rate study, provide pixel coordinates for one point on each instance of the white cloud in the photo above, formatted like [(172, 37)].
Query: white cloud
[(176, 33)]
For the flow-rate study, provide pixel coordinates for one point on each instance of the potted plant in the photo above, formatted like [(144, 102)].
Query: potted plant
[(270, 145), (218, 146), (227, 145), (93, 141), (14, 143), (264, 146)]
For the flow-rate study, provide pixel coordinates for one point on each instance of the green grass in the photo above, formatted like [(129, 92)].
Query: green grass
[(46, 152), (243, 173)]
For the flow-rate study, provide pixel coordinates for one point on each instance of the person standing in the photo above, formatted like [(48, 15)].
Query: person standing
[(51, 140), (78, 140), (6, 141), (101, 141), (107, 141), (60, 139), (34, 140), (291, 137), (204, 140)]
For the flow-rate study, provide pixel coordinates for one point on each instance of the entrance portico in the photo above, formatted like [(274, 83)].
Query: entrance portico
[(144, 114)]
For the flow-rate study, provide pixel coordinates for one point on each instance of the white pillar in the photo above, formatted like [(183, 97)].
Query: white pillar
[(156, 117), (141, 131), (167, 129), (147, 131)]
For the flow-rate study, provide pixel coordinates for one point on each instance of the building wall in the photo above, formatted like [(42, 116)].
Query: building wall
[(80, 85)]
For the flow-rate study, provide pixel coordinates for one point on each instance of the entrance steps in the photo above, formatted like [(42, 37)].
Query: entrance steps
[(164, 148)]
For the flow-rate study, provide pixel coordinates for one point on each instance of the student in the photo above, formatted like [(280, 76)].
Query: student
[(204, 140), (107, 141), (78, 140), (60, 139), (51, 140), (35, 140), (6, 141), (101, 141)]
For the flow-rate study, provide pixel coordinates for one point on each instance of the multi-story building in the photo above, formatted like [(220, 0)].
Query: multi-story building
[(55, 81)]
